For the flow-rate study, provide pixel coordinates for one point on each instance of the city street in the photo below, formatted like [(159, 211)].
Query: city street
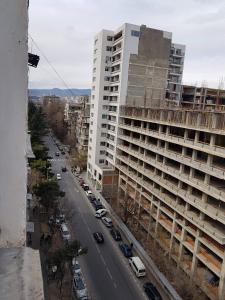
[(106, 272)]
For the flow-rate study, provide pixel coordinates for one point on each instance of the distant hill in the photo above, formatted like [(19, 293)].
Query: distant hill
[(58, 92)]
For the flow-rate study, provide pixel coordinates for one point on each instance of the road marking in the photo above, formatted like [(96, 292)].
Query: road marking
[(98, 249), (110, 275), (102, 258)]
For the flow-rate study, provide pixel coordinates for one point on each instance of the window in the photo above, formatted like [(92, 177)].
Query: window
[(108, 48), (104, 116), (103, 134), (93, 96), (102, 143), (92, 115), (94, 60), (101, 161), (135, 33), (91, 122), (92, 105), (106, 88), (90, 140), (104, 125), (90, 148), (109, 38), (102, 152), (107, 69), (104, 106), (93, 79), (93, 87), (105, 97), (99, 177), (107, 59), (94, 70), (95, 51), (96, 40), (91, 131), (95, 172), (107, 78)]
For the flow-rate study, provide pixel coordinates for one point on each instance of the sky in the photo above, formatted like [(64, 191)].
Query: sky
[(63, 30)]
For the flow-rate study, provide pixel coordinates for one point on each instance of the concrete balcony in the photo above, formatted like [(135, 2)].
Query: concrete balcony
[(198, 184), (216, 233), (214, 150)]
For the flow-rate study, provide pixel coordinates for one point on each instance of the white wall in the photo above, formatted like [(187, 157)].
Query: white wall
[(13, 111)]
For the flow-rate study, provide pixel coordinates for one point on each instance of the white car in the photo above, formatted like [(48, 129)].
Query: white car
[(65, 232), (58, 176), (107, 222), (100, 213), (88, 193)]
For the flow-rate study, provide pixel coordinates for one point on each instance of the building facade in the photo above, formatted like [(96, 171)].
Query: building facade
[(77, 118), (171, 164), (13, 122), (133, 65)]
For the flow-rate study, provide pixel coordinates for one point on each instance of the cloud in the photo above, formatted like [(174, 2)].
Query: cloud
[(64, 30)]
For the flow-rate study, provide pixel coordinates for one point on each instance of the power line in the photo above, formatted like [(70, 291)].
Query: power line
[(53, 68)]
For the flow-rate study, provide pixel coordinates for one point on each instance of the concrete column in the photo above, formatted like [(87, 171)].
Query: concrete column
[(195, 259), (209, 160), (221, 291), (212, 140), (167, 130), (185, 134), (183, 236), (197, 136)]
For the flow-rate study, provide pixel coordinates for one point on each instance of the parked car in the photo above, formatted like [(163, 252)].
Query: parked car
[(116, 234), (75, 267), (63, 152), (151, 291), (100, 213), (79, 287), (64, 232), (97, 204), (88, 193), (107, 222), (60, 219), (98, 236), (57, 153), (58, 176), (127, 251), (92, 198), (85, 187), (64, 169)]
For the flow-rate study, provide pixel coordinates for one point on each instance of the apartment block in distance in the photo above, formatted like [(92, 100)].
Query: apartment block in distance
[(133, 65), (171, 164)]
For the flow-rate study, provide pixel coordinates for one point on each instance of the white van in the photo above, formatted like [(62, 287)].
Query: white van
[(65, 232), (137, 266), (100, 213)]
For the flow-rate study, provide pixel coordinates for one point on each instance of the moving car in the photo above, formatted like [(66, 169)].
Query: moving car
[(58, 176), (127, 251), (116, 234), (64, 232), (107, 222), (98, 236), (64, 169), (100, 213), (151, 291), (137, 266)]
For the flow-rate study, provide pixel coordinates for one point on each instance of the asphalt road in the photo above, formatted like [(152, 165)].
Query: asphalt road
[(106, 271)]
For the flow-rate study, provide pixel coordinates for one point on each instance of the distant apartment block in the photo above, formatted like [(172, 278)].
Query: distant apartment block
[(203, 96), (77, 118), (132, 65), (171, 164)]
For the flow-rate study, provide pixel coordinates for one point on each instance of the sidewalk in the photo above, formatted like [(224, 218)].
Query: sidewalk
[(159, 277)]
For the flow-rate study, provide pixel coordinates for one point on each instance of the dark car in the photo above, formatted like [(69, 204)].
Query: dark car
[(97, 204), (85, 187), (92, 198), (116, 234), (63, 152), (98, 237), (57, 153), (151, 291), (64, 169), (127, 251)]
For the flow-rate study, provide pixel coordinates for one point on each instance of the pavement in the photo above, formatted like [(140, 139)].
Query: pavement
[(106, 271)]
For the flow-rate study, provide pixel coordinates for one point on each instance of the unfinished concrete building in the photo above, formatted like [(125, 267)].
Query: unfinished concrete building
[(171, 164), (204, 96)]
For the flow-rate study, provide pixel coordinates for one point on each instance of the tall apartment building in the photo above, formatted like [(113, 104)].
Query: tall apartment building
[(133, 65), (171, 164)]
